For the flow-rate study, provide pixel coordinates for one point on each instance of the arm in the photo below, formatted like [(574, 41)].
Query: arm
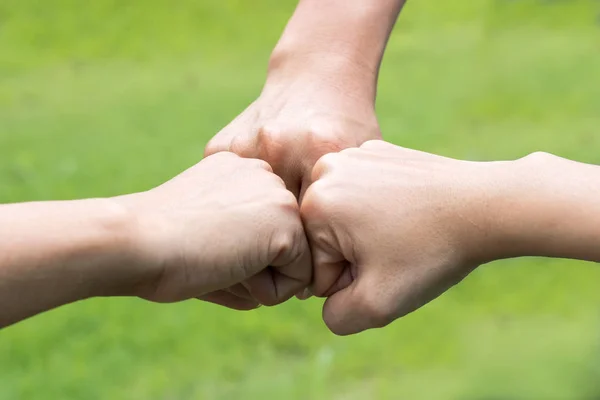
[(340, 39), (54, 253), (550, 207), (168, 244), (319, 96), (431, 220)]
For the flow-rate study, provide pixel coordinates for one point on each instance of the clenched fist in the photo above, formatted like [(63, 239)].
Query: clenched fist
[(225, 231), (319, 96), (391, 229), (298, 118)]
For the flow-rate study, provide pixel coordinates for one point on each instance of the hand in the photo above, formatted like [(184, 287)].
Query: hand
[(320, 91), (225, 231), (299, 117), (391, 229)]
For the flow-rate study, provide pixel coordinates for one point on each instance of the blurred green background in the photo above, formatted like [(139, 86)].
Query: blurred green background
[(105, 97)]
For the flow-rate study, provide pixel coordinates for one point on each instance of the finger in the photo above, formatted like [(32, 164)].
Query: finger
[(291, 268), (290, 174), (262, 287), (305, 182), (328, 267), (312, 170), (229, 300), (378, 145), (292, 271), (216, 145), (229, 139), (304, 294), (240, 291), (280, 163), (323, 166), (328, 259), (366, 303), (289, 272), (222, 141), (344, 279), (285, 156), (274, 285)]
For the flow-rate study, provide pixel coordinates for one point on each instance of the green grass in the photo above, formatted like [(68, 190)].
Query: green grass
[(110, 97)]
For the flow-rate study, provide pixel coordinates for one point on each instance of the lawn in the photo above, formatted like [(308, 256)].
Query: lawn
[(106, 97)]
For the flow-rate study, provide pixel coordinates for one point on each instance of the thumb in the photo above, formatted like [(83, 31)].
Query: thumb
[(366, 303), (331, 272), (289, 267), (353, 304)]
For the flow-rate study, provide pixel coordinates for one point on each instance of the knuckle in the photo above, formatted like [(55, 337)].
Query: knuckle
[(239, 145), (270, 134), (283, 197), (284, 241), (374, 144), (324, 165), (274, 144), (278, 184), (329, 160), (318, 201), (321, 144), (223, 156), (214, 146), (351, 152), (326, 140), (259, 164)]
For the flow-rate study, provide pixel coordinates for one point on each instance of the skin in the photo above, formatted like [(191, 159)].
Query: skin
[(391, 229), (225, 231), (319, 96)]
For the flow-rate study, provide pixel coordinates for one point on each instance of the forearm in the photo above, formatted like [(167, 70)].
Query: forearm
[(54, 253), (340, 38), (550, 208)]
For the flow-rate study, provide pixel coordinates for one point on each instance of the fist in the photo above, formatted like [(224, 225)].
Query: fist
[(294, 123), (391, 229), (226, 231)]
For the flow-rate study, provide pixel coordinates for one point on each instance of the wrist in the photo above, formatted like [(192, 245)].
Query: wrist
[(544, 205), (338, 41), (59, 252), (477, 212), (321, 70), (292, 58), (140, 258), (94, 252), (358, 30)]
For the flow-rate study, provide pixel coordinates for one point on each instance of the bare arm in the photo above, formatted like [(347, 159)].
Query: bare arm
[(550, 207), (209, 233), (54, 253), (392, 228), (345, 39)]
